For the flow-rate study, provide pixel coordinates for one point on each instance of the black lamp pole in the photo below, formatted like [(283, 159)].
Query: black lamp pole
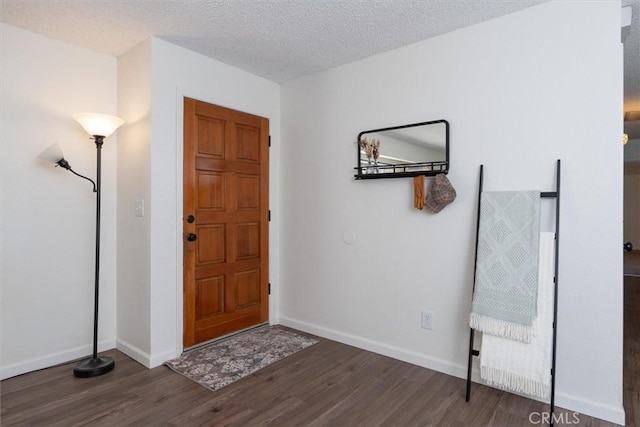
[(95, 365), (99, 126)]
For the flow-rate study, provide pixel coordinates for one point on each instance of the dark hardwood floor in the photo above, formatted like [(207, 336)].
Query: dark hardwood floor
[(632, 350), (328, 384)]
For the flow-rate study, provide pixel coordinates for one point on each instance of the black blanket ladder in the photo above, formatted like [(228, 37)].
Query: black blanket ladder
[(473, 352)]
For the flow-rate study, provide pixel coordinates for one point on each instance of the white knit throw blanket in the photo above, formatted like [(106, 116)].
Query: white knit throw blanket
[(521, 367), (505, 294)]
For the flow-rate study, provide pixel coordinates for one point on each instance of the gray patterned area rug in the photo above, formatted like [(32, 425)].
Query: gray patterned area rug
[(223, 362)]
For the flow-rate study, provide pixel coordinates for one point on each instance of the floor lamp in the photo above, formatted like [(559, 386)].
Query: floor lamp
[(99, 126)]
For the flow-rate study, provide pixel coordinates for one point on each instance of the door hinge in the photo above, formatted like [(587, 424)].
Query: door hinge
[(269, 215), (269, 140), (269, 288)]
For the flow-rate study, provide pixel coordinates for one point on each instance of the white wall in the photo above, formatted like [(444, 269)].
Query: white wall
[(48, 215), (176, 73), (509, 87), (134, 183)]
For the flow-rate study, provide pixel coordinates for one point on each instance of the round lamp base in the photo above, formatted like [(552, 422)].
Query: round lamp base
[(93, 367)]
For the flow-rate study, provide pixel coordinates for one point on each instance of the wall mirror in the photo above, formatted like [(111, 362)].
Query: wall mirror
[(404, 151)]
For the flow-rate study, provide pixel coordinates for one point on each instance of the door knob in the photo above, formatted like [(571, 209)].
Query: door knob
[(192, 237), (190, 219), (628, 246)]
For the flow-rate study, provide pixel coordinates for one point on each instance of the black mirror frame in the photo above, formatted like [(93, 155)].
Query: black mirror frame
[(442, 167)]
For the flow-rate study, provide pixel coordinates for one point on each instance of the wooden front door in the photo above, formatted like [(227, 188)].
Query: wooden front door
[(226, 224)]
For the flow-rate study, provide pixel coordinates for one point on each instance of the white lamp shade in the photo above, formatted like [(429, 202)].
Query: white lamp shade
[(52, 154), (98, 124)]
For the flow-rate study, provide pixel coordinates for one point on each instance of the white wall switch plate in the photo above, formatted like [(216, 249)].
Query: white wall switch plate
[(138, 206)]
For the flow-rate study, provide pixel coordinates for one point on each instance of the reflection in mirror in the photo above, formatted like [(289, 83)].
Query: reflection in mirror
[(409, 150)]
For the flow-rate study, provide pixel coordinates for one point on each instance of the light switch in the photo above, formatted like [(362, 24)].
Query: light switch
[(138, 206)]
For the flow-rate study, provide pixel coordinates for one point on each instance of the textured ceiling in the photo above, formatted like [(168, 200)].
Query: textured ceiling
[(277, 39), (280, 40)]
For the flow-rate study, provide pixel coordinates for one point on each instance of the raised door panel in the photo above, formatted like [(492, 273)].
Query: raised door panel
[(247, 241), (209, 297), (247, 288), (211, 190), (211, 137), (211, 244), (248, 192), (247, 143)]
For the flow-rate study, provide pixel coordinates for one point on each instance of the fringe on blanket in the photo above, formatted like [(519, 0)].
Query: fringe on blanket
[(501, 328), (511, 381)]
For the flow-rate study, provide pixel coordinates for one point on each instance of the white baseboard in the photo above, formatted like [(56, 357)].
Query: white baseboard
[(593, 409), (53, 359), (159, 359), (571, 403), (436, 364), (134, 352), (142, 357)]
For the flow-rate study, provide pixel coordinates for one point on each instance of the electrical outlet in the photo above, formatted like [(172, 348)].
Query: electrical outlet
[(427, 320)]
